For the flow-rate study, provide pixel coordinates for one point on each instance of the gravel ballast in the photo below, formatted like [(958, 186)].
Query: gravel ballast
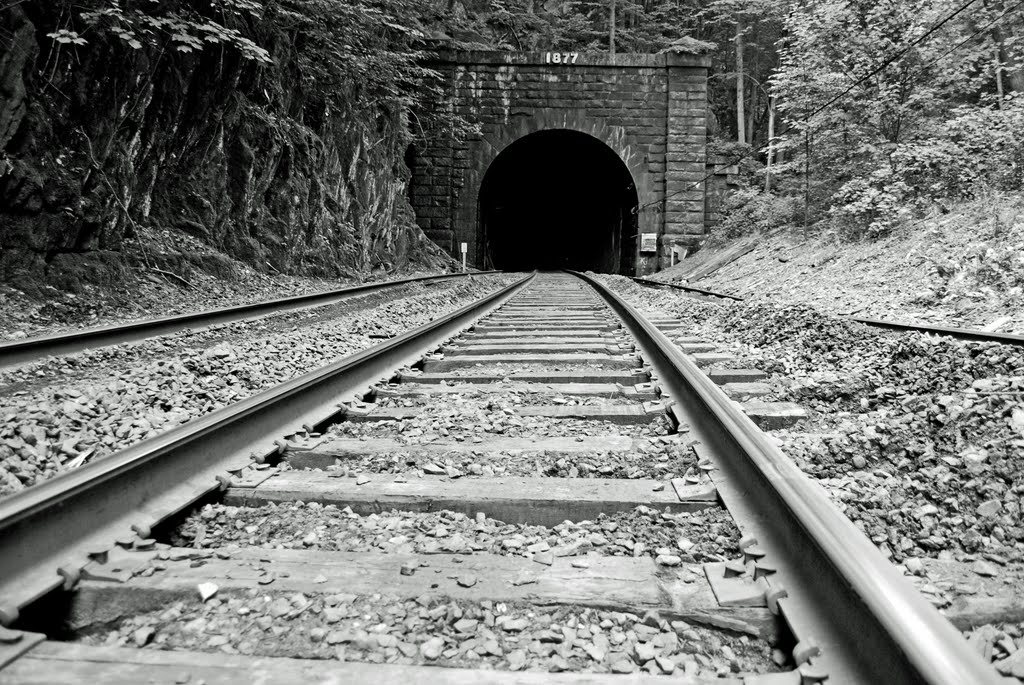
[(697, 537), (433, 630), (117, 402), (918, 439), (923, 436), (475, 418)]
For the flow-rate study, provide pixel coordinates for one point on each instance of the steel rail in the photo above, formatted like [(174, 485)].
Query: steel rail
[(870, 623), (687, 288), (958, 333), (49, 531), (31, 349)]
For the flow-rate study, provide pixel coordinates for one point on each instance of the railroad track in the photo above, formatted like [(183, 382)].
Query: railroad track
[(40, 347), (958, 333), (540, 481)]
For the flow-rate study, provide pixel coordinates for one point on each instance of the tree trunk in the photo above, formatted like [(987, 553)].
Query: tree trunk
[(1012, 69), (611, 30), (999, 78), (741, 124), (751, 119), (771, 145)]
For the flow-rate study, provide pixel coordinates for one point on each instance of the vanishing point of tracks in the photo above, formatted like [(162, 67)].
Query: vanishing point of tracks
[(378, 437)]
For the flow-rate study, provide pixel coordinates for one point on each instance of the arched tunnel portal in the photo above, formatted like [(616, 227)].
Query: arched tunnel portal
[(558, 199)]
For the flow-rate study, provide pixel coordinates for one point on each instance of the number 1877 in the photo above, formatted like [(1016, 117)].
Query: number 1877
[(562, 57)]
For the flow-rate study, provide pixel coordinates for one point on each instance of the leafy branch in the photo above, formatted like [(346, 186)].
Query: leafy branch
[(185, 27)]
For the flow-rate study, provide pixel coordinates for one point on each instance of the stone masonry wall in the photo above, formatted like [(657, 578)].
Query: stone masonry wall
[(649, 109)]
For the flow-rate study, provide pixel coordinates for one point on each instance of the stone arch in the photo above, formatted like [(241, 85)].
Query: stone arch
[(557, 198), (649, 109), (484, 150)]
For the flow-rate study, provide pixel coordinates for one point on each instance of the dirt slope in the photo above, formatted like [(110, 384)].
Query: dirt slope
[(964, 269)]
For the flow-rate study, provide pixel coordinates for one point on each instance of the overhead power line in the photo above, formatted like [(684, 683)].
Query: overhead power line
[(971, 37), (914, 43), (917, 41)]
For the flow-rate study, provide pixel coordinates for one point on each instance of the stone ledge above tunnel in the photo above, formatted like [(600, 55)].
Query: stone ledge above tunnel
[(619, 61)]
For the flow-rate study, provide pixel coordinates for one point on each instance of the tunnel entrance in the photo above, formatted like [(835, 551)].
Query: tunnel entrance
[(559, 199)]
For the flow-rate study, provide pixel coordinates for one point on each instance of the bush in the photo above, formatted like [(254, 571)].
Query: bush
[(749, 212), (871, 206), (979, 149)]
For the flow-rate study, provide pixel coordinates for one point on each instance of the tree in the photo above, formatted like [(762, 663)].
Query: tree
[(871, 90)]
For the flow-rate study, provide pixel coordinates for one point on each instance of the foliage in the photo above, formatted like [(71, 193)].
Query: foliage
[(749, 212), (980, 249), (347, 52), (869, 206), (887, 127), (177, 26), (978, 149), (867, 147)]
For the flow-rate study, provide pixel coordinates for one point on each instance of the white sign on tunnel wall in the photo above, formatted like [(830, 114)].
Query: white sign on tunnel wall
[(561, 57), (648, 242)]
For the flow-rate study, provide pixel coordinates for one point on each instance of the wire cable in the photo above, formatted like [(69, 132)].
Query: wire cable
[(917, 41), (835, 99), (971, 37)]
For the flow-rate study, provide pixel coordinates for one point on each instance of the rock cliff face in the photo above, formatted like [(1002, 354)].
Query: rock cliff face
[(101, 144)]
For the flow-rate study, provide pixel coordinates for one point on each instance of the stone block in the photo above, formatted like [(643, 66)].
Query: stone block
[(773, 415), (677, 209), (694, 176), (676, 156), (681, 222)]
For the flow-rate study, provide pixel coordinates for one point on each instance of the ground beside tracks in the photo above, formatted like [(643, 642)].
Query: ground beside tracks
[(918, 439), (963, 269), (61, 412)]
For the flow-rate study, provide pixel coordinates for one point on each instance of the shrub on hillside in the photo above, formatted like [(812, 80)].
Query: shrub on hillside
[(749, 212), (870, 206), (978, 150)]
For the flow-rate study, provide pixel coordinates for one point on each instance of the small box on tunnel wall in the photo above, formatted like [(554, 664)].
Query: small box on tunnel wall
[(648, 242)]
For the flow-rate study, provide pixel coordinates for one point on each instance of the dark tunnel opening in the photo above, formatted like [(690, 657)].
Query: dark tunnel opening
[(559, 199)]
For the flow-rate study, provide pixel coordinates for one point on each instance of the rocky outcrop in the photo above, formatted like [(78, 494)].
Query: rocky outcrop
[(102, 144)]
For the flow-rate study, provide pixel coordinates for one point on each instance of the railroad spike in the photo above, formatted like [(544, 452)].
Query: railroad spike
[(71, 575), (8, 615), (805, 650), (735, 569), (9, 636), (99, 556), (753, 553), (773, 596), (811, 675), (143, 530)]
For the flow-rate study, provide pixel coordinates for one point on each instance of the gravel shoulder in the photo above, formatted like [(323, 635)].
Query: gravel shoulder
[(89, 405), (918, 439), (148, 295), (98, 362)]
